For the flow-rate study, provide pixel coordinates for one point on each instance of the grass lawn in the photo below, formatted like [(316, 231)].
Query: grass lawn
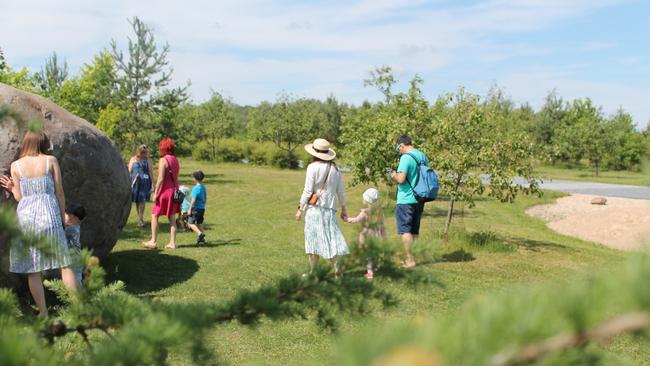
[(254, 239), (588, 174)]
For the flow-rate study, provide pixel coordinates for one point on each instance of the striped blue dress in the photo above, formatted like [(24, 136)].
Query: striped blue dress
[(39, 214)]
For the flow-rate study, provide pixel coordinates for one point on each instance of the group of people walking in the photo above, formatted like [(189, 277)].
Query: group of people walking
[(36, 184), (324, 187)]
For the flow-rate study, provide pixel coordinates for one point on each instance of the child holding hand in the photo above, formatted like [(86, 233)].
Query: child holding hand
[(371, 219)]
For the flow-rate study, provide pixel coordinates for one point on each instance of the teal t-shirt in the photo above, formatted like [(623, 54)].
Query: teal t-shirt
[(409, 166), (199, 195)]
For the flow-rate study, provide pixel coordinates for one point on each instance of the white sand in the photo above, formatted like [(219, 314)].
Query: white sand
[(621, 224)]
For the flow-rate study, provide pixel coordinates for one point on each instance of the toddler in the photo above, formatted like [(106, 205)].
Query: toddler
[(371, 219), (74, 214)]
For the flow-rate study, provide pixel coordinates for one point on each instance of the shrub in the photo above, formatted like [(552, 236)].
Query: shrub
[(201, 151), (232, 150)]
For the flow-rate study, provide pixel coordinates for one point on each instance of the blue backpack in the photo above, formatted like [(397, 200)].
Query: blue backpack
[(425, 188)]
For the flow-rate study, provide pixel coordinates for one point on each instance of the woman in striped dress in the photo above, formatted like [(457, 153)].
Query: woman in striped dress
[(323, 236), (36, 184)]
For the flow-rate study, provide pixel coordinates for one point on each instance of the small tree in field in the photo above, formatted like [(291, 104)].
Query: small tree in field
[(216, 120), (475, 154), (287, 123), (369, 132)]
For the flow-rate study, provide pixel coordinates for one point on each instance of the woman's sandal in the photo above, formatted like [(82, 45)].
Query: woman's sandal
[(407, 264), (169, 246)]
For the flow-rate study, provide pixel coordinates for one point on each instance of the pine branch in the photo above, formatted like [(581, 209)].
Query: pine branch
[(633, 322)]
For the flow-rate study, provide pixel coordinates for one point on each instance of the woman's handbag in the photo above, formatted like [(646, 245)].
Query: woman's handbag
[(178, 196), (313, 199)]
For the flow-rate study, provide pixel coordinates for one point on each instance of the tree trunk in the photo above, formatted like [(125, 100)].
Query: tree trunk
[(450, 212), (597, 168)]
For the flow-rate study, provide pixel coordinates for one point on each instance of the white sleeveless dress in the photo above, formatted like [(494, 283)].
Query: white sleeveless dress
[(39, 215)]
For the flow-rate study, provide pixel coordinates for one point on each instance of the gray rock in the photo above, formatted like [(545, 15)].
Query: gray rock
[(94, 174), (599, 201)]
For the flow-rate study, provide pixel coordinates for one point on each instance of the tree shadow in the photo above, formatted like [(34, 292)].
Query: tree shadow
[(534, 245), (211, 244), (457, 256), (148, 270), (213, 178)]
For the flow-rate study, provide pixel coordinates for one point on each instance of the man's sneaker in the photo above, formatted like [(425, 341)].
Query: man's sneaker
[(200, 239)]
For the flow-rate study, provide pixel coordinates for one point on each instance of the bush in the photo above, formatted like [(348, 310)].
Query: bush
[(261, 153), (201, 151), (232, 150), (282, 159)]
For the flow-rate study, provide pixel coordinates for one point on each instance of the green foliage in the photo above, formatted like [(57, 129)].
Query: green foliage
[(288, 124), (500, 324), (52, 76), (93, 90)]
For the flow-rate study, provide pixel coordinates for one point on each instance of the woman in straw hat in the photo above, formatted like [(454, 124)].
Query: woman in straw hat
[(323, 185)]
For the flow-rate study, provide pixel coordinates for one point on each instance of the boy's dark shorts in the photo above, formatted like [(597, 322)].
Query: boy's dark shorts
[(408, 218), (196, 217)]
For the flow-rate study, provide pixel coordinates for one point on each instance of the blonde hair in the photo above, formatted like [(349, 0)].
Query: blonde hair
[(375, 212), (34, 143), (142, 151)]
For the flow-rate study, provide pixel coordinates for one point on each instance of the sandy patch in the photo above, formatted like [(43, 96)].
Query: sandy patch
[(622, 223)]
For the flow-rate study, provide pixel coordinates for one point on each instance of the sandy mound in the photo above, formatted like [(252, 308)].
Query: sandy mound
[(621, 224)]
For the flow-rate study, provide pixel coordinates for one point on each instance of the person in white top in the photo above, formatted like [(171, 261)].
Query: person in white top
[(323, 186)]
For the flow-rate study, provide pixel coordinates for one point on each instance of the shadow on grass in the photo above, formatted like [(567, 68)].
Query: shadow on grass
[(457, 256), (148, 270), (534, 245), (211, 244), (208, 179)]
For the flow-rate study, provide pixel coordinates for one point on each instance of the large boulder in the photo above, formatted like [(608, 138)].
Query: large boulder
[(94, 174)]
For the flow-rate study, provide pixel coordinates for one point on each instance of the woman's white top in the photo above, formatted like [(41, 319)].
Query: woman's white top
[(314, 179)]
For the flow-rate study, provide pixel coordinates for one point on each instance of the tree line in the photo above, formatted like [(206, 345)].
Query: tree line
[(125, 91)]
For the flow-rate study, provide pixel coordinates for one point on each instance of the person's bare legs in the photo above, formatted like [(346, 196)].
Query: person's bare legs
[(35, 283), (172, 232), (153, 243), (140, 207), (335, 264), (198, 229), (313, 258), (69, 279), (407, 240)]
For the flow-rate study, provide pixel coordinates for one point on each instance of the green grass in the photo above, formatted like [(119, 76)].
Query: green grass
[(588, 174), (254, 239)]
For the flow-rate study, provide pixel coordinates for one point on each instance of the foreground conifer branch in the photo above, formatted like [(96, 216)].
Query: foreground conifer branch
[(629, 323)]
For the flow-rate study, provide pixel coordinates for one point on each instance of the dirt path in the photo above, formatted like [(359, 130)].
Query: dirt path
[(622, 223)]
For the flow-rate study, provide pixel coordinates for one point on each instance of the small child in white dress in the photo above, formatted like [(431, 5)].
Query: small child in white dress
[(371, 219)]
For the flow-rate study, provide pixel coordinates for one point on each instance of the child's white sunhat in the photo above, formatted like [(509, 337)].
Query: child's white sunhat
[(371, 195), (184, 189)]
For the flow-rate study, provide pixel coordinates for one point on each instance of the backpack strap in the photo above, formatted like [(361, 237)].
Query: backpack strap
[(417, 170)]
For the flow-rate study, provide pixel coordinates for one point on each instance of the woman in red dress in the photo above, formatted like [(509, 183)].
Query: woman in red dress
[(164, 205)]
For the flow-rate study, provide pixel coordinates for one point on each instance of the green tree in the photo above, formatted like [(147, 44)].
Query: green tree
[(288, 123), (370, 131), (143, 79), (18, 79), (3, 62), (52, 76), (94, 89), (628, 145), (476, 154), (215, 120)]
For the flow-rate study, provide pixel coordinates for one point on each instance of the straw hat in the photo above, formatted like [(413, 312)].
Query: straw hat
[(320, 149)]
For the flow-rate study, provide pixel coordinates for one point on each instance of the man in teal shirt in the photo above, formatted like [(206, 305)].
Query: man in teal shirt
[(408, 211)]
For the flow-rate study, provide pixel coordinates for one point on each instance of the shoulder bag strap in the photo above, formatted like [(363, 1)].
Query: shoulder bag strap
[(171, 174), (327, 175)]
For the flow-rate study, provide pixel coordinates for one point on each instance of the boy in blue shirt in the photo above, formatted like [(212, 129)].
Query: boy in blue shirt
[(197, 207)]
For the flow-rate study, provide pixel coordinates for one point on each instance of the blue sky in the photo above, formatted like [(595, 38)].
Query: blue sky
[(252, 50)]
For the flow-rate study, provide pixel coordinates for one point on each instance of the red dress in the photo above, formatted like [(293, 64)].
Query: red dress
[(164, 205)]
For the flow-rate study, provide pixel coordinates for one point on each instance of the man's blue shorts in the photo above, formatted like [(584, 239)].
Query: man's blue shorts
[(408, 218)]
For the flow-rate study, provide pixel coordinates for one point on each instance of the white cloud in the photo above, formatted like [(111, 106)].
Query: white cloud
[(252, 49)]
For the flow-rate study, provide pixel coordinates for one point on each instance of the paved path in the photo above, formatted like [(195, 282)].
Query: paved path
[(596, 189)]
